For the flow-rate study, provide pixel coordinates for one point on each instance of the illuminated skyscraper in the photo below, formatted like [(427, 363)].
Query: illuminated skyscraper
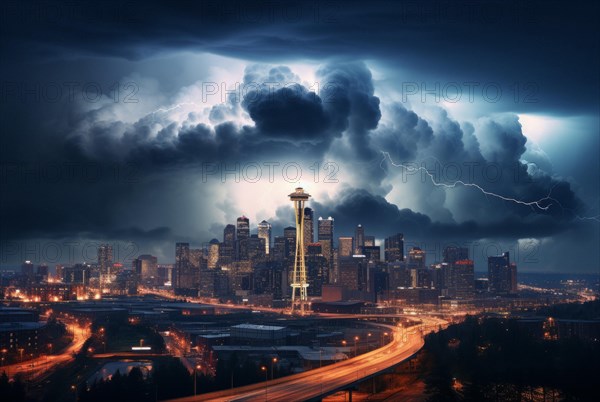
[(105, 260), (463, 279), (182, 265), (309, 236), (227, 250), (453, 254), (279, 248), (373, 253), (243, 227), (146, 269), (243, 234), (264, 232), (289, 234), (213, 253), (502, 275), (299, 197), (27, 269), (394, 248), (105, 256), (345, 247), (325, 229), (359, 239), (416, 257)]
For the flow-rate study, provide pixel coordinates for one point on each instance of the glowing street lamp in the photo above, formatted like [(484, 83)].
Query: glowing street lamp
[(273, 361), (355, 345), (198, 367), (264, 368), (383, 336)]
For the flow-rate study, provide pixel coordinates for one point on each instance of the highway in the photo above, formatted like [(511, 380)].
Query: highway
[(327, 380), (36, 369)]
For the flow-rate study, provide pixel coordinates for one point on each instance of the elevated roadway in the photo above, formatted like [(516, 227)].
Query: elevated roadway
[(318, 383)]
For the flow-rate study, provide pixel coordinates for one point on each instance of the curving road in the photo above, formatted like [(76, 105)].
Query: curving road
[(40, 367), (327, 380)]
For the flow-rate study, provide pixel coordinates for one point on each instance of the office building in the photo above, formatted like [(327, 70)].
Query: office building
[(325, 234), (345, 247), (227, 251), (502, 275), (264, 232), (289, 233), (309, 232), (359, 239), (243, 234), (416, 258), (146, 269), (453, 253), (394, 248), (213, 253), (463, 272)]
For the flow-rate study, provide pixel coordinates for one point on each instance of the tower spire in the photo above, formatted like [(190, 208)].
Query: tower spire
[(299, 197)]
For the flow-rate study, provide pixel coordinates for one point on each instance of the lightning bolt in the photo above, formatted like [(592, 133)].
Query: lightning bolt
[(588, 218), (542, 204), (170, 108)]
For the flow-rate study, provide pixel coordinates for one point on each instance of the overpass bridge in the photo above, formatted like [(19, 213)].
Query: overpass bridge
[(315, 384)]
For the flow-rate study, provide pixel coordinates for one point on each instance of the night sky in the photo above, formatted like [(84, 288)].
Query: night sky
[(452, 122)]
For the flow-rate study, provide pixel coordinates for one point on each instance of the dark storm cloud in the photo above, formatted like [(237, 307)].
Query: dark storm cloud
[(290, 112), (436, 143), (502, 142), (289, 120), (405, 135), (136, 165), (295, 122), (514, 42), (383, 218), (349, 94)]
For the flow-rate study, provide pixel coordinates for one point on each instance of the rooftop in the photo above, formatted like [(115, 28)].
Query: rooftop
[(259, 327)]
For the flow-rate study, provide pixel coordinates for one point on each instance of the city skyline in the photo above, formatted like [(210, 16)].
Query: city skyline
[(299, 200), (435, 251)]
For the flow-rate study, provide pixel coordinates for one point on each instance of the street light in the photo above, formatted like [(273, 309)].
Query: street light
[(198, 367), (21, 352), (264, 368), (385, 335), (355, 345), (273, 361), (49, 351)]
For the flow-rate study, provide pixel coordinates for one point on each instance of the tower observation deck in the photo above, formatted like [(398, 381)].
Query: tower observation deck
[(299, 283)]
